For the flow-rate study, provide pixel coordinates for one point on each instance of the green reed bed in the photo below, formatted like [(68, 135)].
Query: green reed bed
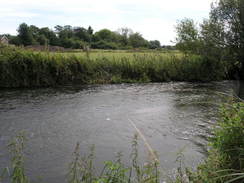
[(225, 163), (22, 68)]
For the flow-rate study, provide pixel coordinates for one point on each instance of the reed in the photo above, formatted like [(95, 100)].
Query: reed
[(225, 163), (24, 68)]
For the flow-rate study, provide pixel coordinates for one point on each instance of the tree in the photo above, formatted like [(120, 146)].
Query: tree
[(230, 15), (187, 36), (42, 40), (124, 33), (220, 38), (49, 35), (25, 34), (136, 40), (154, 44), (104, 45), (106, 35), (82, 34), (58, 28), (15, 40), (34, 31), (90, 30), (65, 32)]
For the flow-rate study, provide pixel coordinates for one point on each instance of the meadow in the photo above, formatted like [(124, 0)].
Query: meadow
[(26, 68)]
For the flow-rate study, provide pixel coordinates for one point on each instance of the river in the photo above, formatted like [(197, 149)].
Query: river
[(173, 117)]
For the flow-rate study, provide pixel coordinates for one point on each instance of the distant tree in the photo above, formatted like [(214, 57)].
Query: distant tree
[(35, 31), (136, 40), (90, 30), (82, 34), (25, 34), (15, 40), (154, 44), (104, 45), (42, 39), (67, 43), (58, 28), (106, 35), (49, 35), (187, 39), (76, 37), (66, 32), (125, 34), (78, 44)]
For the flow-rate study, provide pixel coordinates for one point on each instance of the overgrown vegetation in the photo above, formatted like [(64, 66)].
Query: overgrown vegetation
[(221, 37), (225, 162), (81, 169), (22, 68), (80, 37)]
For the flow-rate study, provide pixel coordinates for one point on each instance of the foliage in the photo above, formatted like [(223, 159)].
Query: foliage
[(225, 160), (25, 34), (18, 171), (187, 36), (81, 169), (154, 44), (104, 45), (22, 68), (136, 40), (229, 137), (78, 37), (220, 37)]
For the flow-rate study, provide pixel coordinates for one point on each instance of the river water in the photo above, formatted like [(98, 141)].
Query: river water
[(173, 117)]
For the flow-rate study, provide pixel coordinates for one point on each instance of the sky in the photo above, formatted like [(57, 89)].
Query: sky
[(154, 19)]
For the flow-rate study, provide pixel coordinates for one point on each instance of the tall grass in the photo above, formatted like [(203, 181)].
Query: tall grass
[(225, 162), (81, 169), (22, 68)]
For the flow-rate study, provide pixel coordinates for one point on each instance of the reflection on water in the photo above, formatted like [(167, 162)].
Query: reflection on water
[(172, 116)]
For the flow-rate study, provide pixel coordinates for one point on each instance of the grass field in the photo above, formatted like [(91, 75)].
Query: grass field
[(118, 54), (25, 68)]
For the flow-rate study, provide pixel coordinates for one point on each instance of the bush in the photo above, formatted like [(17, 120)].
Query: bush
[(225, 162), (104, 45)]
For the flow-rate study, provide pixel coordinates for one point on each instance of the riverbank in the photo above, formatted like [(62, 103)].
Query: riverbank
[(24, 68), (225, 161)]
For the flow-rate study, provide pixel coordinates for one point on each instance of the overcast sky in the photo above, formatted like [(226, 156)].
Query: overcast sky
[(154, 19)]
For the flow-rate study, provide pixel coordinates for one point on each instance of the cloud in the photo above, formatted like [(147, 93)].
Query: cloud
[(155, 19), (7, 13)]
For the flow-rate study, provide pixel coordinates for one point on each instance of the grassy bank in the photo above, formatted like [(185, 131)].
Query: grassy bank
[(225, 162), (22, 68)]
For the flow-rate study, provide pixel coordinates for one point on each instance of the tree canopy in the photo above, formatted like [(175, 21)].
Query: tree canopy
[(220, 37), (79, 37)]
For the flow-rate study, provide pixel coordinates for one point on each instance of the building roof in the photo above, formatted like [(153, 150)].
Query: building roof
[(3, 36)]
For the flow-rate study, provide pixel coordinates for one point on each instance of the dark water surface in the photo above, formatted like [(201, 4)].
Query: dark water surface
[(172, 117)]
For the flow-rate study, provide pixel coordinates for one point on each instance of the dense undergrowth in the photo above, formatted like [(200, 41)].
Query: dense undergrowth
[(22, 68), (225, 162)]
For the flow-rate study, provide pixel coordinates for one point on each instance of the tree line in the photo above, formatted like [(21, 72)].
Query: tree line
[(79, 37), (219, 39)]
